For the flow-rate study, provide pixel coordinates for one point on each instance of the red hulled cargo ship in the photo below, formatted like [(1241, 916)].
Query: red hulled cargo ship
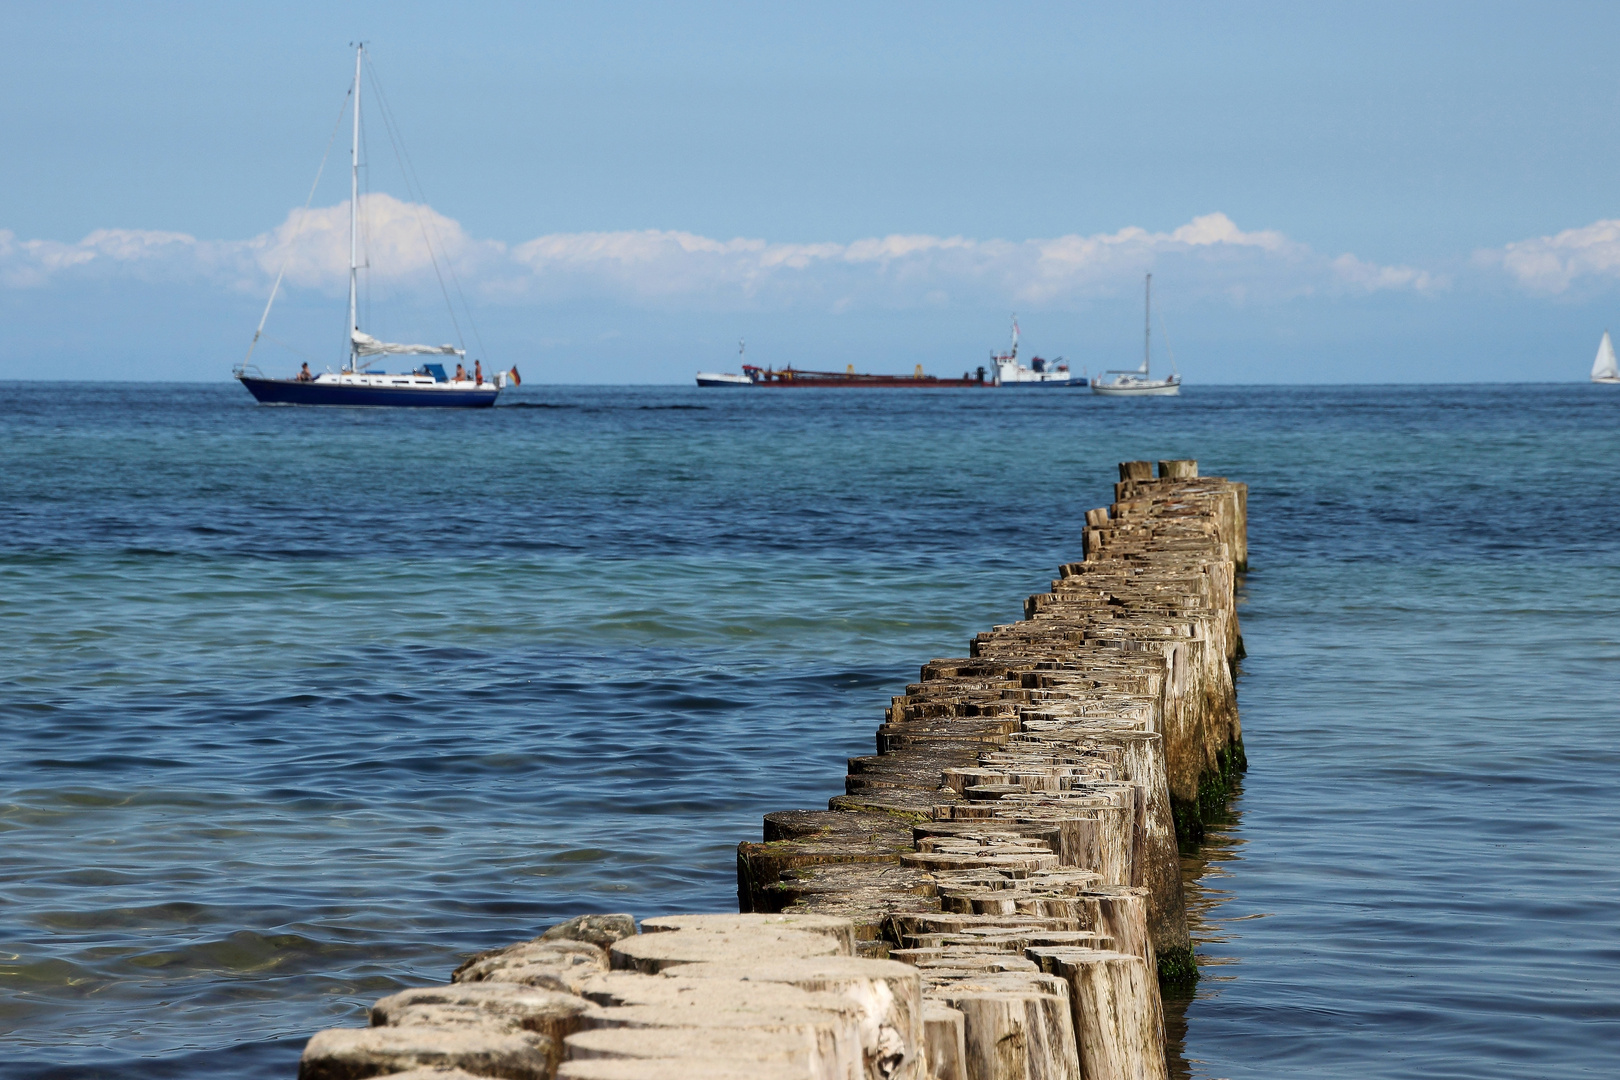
[(792, 376)]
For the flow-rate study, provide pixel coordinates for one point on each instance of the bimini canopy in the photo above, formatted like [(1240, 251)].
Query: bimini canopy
[(366, 345)]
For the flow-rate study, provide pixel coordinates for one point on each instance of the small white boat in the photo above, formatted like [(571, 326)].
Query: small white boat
[(1139, 382), (726, 378), (1039, 372), (1604, 369)]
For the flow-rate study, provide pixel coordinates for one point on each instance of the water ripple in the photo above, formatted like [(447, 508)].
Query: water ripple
[(301, 706)]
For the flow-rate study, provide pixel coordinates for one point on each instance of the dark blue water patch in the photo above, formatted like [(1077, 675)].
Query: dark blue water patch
[(301, 706), (821, 469)]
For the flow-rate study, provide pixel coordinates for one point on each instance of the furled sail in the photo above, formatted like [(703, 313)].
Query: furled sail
[(1604, 368), (366, 345)]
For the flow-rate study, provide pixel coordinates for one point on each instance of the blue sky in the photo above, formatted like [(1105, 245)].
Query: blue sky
[(1324, 192)]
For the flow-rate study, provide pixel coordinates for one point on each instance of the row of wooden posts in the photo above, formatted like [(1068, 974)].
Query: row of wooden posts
[(996, 895)]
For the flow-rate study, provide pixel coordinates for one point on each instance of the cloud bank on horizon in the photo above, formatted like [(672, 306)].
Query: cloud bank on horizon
[(660, 268), (1209, 255)]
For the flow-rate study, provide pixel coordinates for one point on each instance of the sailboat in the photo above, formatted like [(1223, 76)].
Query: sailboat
[(1603, 368), (357, 382), (1138, 382)]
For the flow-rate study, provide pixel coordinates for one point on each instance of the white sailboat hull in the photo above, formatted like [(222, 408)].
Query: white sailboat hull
[(1137, 388)]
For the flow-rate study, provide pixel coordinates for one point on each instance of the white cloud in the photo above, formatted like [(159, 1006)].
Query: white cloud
[(398, 239), (137, 252), (1209, 255), (1372, 277), (315, 246), (1552, 264)]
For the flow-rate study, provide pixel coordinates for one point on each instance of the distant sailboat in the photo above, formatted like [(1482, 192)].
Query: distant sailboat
[(1138, 382), (1604, 369)]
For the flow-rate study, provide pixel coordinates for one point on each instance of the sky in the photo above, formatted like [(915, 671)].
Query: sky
[(618, 193)]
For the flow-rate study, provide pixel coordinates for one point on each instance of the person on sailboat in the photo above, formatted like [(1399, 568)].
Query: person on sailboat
[(304, 375), (478, 372), (461, 374)]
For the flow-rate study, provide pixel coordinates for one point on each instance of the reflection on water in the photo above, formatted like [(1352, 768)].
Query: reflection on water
[(1203, 867)]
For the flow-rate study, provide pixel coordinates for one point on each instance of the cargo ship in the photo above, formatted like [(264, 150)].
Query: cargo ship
[(792, 376), (754, 375)]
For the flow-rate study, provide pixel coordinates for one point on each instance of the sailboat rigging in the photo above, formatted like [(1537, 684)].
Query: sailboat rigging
[(1139, 382), (356, 383)]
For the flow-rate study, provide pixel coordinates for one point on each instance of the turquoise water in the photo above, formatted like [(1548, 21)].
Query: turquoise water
[(299, 706)]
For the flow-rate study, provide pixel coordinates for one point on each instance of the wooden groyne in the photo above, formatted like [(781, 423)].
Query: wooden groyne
[(996, 895)]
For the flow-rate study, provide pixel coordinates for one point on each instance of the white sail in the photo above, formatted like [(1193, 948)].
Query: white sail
[(1604, 368), (366, 345)]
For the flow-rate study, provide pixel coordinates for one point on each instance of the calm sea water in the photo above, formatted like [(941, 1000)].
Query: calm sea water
[(299, 706)]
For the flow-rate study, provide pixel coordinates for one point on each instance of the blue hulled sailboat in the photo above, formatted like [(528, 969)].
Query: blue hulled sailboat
[(356, 383)]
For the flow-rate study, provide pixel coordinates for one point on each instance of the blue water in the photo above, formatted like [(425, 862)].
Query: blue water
[(299, 706)]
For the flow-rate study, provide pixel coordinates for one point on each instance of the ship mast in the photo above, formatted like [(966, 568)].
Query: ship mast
[(1147, 323), (354, 210)]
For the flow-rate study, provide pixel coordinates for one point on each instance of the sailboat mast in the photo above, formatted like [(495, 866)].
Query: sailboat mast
[(1147, 323), (354, 209)]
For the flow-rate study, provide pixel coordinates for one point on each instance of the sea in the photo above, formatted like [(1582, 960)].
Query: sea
[(301, 706)]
